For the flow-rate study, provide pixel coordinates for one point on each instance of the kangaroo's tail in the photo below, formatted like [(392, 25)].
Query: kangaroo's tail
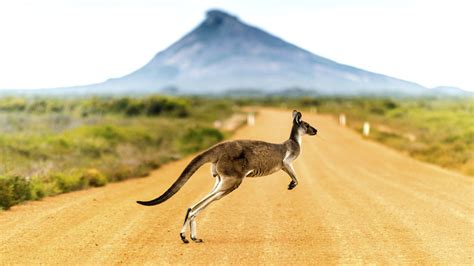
[(192, 167)]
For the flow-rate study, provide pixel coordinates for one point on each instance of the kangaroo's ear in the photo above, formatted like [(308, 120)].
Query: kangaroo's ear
[(296, 117)]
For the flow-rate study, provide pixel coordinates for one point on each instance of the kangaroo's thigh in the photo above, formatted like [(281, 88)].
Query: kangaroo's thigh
[(229, 184)]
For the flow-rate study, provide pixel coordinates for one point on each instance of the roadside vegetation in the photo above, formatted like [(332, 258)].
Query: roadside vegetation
[(438, 131), (435, 131), (52, 146)]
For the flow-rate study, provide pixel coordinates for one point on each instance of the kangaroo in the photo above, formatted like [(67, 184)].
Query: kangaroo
[(232, 161)]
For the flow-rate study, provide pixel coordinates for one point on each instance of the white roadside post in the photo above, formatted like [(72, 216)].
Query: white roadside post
[(217, 124), (342, 120), (250, 119), (366, 129)]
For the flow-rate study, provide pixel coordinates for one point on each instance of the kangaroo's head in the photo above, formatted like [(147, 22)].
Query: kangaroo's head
[(303, 127)]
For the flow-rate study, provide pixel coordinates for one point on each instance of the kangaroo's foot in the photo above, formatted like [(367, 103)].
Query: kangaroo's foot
[(183, 238), (292, 185), (197, 240)]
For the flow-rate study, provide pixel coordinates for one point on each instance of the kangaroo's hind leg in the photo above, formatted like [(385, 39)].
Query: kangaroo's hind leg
[(225, 186), (187, 217)]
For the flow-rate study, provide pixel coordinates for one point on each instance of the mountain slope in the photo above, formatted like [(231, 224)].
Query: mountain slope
[(449, 91), (224, 53)]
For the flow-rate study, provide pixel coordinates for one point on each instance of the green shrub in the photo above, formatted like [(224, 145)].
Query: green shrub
[(94, 178), (134, 108), (38, 106), (21, 188), (70, 181), (150, 105), (70, 144), (144, 168), (120, 105), (308, 102), (38, 189), (196, 139), (390, 104), (6, 193), (13, 190), (377, 110), (119, 172), (158, 105), (13, 104), (107, 132)]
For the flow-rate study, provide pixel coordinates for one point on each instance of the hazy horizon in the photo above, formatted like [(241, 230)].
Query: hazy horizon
[(67, 43)]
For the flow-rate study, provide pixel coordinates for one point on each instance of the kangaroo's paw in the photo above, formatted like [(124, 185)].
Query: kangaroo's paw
[(292, 185), (196, 240), (183, 238)]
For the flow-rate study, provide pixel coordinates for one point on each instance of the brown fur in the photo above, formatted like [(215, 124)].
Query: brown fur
[(233, 161)]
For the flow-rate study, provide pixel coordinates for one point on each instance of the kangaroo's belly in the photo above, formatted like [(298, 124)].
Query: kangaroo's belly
[(262, 171)]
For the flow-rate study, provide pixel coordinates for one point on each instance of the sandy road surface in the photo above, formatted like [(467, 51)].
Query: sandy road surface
[(357, 201)]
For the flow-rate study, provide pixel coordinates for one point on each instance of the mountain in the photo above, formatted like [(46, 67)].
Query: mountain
[(449, 91), (225, 54)]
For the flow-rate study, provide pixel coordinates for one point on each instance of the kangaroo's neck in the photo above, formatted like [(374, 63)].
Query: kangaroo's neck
[(292, 145), (295, 135)]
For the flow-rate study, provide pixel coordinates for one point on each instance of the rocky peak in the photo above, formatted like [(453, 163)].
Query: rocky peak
[(217, 17)]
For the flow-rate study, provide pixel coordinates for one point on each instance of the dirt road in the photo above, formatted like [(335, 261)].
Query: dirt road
[(357, 202)]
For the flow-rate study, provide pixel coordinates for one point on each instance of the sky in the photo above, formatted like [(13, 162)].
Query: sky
[(56, 43)]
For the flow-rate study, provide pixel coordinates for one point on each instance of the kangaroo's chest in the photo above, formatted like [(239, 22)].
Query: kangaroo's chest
[(290, 156)]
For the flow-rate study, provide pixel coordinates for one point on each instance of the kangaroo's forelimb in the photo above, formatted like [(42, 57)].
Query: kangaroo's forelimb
[(288, 168)]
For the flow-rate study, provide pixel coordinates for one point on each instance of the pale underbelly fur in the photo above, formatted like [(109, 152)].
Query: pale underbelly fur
[(261, 172)]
